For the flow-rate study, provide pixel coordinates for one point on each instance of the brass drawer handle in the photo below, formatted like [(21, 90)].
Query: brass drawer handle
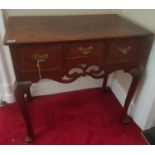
[(125, 51), (86, 51), (40, 58)]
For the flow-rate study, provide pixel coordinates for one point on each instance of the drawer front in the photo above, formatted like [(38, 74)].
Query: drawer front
[(83, 50), (124, 51), (46, 56)]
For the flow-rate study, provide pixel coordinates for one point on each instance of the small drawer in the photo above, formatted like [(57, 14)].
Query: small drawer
[(83, 50), (124, 51), (48, 57)]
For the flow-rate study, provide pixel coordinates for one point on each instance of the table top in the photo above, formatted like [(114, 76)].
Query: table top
[(38, 29)]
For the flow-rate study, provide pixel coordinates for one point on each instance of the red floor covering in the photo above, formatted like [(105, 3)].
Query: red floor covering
[(80, 117)]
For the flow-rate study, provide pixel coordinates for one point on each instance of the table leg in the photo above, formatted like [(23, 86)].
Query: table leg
[(22, 88), (104, 86)]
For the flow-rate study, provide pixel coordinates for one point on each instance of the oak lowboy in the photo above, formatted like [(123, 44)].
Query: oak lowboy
[(55, 47)]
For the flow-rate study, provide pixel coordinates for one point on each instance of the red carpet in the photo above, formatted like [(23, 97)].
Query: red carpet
[(81, 117)]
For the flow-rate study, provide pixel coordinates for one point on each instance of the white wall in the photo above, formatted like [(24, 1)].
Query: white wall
[(6, 70), (143, 107)]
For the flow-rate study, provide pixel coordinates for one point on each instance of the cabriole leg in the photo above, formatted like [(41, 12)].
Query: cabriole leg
[(22, 88)]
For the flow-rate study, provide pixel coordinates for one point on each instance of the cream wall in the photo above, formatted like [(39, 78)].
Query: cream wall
[(40, 12)]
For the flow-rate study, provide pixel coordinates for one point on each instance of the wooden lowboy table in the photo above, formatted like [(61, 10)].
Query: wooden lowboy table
[(50, 46)]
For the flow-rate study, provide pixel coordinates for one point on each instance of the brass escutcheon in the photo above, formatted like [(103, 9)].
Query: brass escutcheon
[(40, 58), (125, 51), (85, 51)]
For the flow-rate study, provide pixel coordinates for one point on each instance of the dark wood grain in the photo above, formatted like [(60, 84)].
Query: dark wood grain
[(96, 45), (69, 28)]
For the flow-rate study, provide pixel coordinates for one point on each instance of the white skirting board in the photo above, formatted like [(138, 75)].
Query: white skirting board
[(6, 93)]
